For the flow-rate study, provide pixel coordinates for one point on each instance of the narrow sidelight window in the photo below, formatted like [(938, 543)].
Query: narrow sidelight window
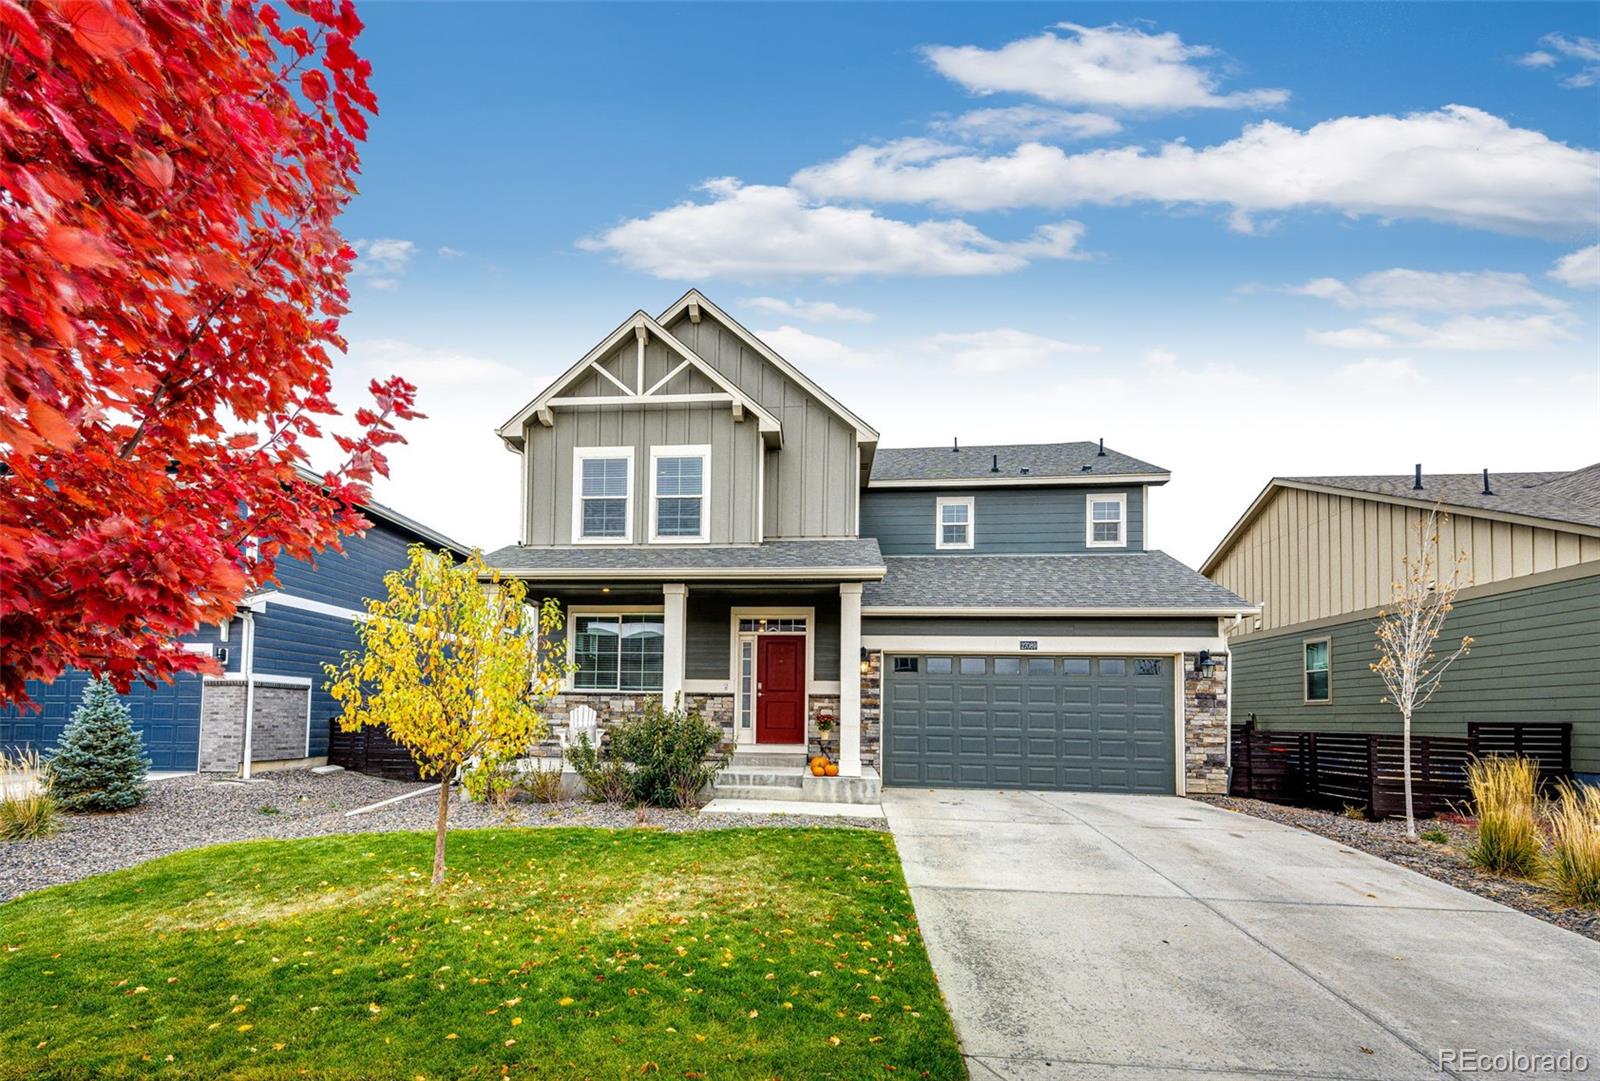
[(602, 494), (953, 522), (1319, 670), (678, 493), (1107, 521)]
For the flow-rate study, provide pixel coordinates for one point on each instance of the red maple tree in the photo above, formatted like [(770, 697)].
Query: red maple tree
[(171, 283)]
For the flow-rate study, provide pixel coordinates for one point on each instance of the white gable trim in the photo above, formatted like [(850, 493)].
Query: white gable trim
[(641, 326), (695, 303)]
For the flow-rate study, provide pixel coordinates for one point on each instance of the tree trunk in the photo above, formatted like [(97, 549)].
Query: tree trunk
[(438, 834), (1405, 766)]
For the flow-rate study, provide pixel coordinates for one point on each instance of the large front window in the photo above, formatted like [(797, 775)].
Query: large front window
[(678, 493), (618, 652), (602, 480)]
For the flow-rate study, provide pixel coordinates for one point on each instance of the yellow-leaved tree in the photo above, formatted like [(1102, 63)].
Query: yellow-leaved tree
[(450, 663)]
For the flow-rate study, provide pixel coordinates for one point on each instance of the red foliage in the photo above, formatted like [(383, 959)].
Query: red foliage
[(171, 283)]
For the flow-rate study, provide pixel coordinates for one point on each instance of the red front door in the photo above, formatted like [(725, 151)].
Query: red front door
[(781, 688)]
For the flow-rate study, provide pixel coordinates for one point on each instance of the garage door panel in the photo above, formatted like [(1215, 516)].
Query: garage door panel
[(1031, 722)]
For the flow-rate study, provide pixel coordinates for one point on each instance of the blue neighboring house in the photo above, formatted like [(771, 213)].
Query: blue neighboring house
[(272, 653)]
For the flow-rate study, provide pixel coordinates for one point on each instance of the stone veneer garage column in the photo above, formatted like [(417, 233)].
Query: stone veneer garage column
[(849, 680)]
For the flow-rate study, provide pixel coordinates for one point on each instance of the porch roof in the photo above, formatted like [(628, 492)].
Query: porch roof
[(1134, 583), (852, 560)]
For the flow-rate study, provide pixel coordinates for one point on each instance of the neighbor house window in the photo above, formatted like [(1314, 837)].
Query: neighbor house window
[(678, 493), (618, 652), (602, 491), (1107, 520), (1319, 670), (953, 522)]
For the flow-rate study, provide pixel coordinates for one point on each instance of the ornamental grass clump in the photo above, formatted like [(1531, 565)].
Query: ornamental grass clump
[(27, 809), (1572, 864), (1504, 794)]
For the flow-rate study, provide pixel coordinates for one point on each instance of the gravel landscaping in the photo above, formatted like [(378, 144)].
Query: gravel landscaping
[(1446, 862), (192, 811)]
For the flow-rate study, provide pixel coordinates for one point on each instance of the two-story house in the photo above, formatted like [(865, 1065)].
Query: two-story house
[(1320, 554), (270, 702), (721, 529)]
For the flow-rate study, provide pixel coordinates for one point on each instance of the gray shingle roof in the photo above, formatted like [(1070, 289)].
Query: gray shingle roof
[(1122, 580), (975, 463), (1559, 496), (855, 559)]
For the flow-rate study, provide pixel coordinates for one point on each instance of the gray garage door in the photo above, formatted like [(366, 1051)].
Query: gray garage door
[(1102, 724)]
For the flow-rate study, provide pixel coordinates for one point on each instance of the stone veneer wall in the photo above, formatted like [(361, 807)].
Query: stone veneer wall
[(872, 710), (1205, 727), (279, 732)]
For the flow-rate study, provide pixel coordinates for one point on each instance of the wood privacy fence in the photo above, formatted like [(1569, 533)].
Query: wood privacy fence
[(1364, 769), (370, 751)]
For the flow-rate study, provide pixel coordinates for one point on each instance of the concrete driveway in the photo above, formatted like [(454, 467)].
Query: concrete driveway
[(1158, 938)]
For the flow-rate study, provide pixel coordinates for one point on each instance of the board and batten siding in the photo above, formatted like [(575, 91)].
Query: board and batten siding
[(1535, 657), (1032, 520), (1313, 555), (812, 480), (733, 496)]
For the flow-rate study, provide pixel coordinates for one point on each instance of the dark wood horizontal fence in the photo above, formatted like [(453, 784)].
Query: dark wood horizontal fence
[(1365, 769), (370, 751)]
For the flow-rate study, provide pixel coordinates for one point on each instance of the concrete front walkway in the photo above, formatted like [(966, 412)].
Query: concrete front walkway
[(1123, 937)]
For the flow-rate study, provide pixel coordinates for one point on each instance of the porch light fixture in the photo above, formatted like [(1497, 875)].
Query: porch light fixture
[(1205, 665)]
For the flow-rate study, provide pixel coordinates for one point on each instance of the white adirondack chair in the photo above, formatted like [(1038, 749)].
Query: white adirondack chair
[(580, 722)]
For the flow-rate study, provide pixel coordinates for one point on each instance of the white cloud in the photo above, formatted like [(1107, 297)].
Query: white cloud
[(1579, 269), (1001, 350), (763, 231), (1457, 165), (1462, 333), (447, 252), (1558, 48), (1429, 291), (383, 262), (813, 350), (1019, 123), (811, 311), (1114, 66)]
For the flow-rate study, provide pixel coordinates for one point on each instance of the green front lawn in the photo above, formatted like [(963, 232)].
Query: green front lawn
[(555, 953)]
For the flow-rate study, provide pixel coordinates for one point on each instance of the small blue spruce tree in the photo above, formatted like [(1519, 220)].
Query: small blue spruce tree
[(99, 763)]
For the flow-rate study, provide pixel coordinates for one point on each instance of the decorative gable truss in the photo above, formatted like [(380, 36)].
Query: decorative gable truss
[(611, 375)]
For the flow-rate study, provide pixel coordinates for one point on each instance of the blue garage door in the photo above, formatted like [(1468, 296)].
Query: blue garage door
[(167, 716)]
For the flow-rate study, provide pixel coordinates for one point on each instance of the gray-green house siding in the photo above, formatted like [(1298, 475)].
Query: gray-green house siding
[(1535, 657), (1031, 520)]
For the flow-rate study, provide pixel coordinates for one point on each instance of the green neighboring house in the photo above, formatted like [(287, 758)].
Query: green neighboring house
[(1319, 555)]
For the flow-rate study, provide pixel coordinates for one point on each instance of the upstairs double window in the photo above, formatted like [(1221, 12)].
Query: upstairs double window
[(603, 495)]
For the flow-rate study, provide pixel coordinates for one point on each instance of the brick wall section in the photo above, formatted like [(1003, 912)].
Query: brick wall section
[(872, 711), (279, 731), (1205, 727)]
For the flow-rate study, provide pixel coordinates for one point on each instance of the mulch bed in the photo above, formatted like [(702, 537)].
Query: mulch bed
[(1445, 862), (192, 811)]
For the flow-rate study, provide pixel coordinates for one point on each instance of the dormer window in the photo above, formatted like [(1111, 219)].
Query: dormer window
[(602, 481), (1107, 520), (678, 477), (953, 522)]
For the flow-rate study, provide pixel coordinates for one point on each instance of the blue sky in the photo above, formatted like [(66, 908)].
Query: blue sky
[(1234, 240)]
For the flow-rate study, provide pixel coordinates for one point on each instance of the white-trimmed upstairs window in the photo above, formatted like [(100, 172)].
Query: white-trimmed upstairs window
[(602, 495), (1319, 670), (679, 480), (953, 522), (1106, 521)]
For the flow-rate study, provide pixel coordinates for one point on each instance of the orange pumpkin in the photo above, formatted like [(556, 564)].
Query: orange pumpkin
[(817, 768), (833, 769)]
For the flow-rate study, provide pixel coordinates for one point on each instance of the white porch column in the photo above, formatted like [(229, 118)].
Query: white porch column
[(675, 648), (850, 679)]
